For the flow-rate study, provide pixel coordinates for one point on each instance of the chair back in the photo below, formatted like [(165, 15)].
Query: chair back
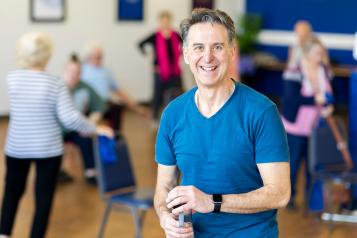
[(114, 170), (323, 152)]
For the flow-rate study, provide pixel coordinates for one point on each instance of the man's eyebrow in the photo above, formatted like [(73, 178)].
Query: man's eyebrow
[(214, 44)]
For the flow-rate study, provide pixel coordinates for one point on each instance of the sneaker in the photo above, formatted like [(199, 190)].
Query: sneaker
[(64, 177)]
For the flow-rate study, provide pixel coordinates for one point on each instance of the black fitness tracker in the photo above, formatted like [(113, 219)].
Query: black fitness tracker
[(217, 201)]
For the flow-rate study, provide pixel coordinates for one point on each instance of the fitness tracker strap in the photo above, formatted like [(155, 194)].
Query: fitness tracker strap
[(217, 201)]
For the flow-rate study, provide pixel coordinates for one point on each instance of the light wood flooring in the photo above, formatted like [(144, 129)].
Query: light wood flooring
[(77, 209)]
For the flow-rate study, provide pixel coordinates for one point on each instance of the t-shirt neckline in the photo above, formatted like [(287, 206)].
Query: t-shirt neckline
[(220, 111)]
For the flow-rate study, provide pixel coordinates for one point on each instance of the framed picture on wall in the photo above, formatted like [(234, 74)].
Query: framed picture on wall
[(47, 10), (130, 10)]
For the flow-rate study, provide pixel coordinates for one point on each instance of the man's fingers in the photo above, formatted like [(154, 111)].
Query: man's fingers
[(177, 201), (185, 208), (180, 232), (177, 192)]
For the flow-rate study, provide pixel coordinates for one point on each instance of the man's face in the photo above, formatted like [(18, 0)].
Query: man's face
[(72, 74), (208, 53), (303, 32), (96, 57)]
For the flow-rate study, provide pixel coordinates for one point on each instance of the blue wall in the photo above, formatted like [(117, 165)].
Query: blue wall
[(328, 16), (332, 16)]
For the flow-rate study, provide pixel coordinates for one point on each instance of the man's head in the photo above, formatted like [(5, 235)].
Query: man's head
[(203, 15), (303, 31), (165, 20), (94, 54), (209, 47), (72, 72)]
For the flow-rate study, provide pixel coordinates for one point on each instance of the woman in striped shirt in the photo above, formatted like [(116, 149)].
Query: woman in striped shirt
[(40, 105)]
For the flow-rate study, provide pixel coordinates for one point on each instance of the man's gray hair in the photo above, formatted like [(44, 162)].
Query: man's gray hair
[(203, 15)]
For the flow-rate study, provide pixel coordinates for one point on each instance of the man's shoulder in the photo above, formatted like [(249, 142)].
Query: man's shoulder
[(252, 99), (180, 103)]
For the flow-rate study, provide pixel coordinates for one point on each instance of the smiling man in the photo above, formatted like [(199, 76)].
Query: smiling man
[(226, 140)]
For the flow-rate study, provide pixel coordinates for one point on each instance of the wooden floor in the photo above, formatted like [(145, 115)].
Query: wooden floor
[(77, 210)]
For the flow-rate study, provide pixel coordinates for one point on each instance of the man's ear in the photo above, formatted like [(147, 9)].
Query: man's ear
[(185, 55), (233, 49)]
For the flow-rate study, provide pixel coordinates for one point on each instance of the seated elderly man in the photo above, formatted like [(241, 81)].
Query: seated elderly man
[(103, 82)]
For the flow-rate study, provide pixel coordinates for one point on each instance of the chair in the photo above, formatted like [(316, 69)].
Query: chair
[(116, 181), (327, 165)]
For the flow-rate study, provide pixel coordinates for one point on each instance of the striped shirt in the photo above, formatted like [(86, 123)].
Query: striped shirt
[(39, 105)]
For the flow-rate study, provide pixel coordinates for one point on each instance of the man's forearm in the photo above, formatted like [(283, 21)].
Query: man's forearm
[(160, 202), (263, 199)]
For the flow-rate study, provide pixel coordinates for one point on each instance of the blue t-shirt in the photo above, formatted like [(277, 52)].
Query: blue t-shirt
[(100, 79), (219, 155)]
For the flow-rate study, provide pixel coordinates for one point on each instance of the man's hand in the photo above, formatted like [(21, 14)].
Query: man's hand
[(171, 227), (192, 199)]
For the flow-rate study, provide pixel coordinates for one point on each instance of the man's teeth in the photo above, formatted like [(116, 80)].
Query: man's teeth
[(209, 68)]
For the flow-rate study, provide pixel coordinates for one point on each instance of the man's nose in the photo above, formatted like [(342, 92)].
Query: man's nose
[(208, 55)]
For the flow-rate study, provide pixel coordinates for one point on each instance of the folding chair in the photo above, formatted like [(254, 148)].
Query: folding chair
[(328, 164), (116, 182)]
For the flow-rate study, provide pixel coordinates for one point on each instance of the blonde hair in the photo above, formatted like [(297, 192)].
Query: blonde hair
[(165, 13), (33, 49)]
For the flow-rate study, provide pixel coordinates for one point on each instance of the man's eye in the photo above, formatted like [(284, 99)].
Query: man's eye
[(198, 48), (218, 47)]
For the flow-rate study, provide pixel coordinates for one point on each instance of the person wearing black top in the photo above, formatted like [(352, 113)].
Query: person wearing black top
[(166, 44)]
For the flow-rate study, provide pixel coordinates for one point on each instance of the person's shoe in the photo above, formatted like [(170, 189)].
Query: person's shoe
[(91, 181), (64, 177)]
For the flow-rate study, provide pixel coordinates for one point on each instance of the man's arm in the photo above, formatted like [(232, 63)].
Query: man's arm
[(274, 194), (167, 177), (130, 103)]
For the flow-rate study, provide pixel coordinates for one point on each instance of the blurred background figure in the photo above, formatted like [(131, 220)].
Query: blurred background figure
[(87, 101), (307, 95), (166, 43), (101, 79), (304, 37), (39, 105)]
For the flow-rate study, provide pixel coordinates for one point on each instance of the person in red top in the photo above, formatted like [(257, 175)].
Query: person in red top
[(166, 43)]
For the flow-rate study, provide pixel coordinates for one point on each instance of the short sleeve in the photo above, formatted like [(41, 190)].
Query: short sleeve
[(164, 149), (270, 138)]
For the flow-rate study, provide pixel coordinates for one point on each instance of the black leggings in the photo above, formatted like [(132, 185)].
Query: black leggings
[(160, 88), (15, 183)]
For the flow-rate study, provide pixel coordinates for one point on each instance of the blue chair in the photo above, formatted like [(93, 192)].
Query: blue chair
[(116, 181)]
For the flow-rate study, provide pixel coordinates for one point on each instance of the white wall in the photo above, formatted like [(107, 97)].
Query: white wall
[(88, 20)]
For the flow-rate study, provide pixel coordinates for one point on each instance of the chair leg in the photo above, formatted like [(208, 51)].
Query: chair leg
[(138, 220), (329, 209), (104, 220)]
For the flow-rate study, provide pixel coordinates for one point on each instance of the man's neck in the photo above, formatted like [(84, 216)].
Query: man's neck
[(210, 100)]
